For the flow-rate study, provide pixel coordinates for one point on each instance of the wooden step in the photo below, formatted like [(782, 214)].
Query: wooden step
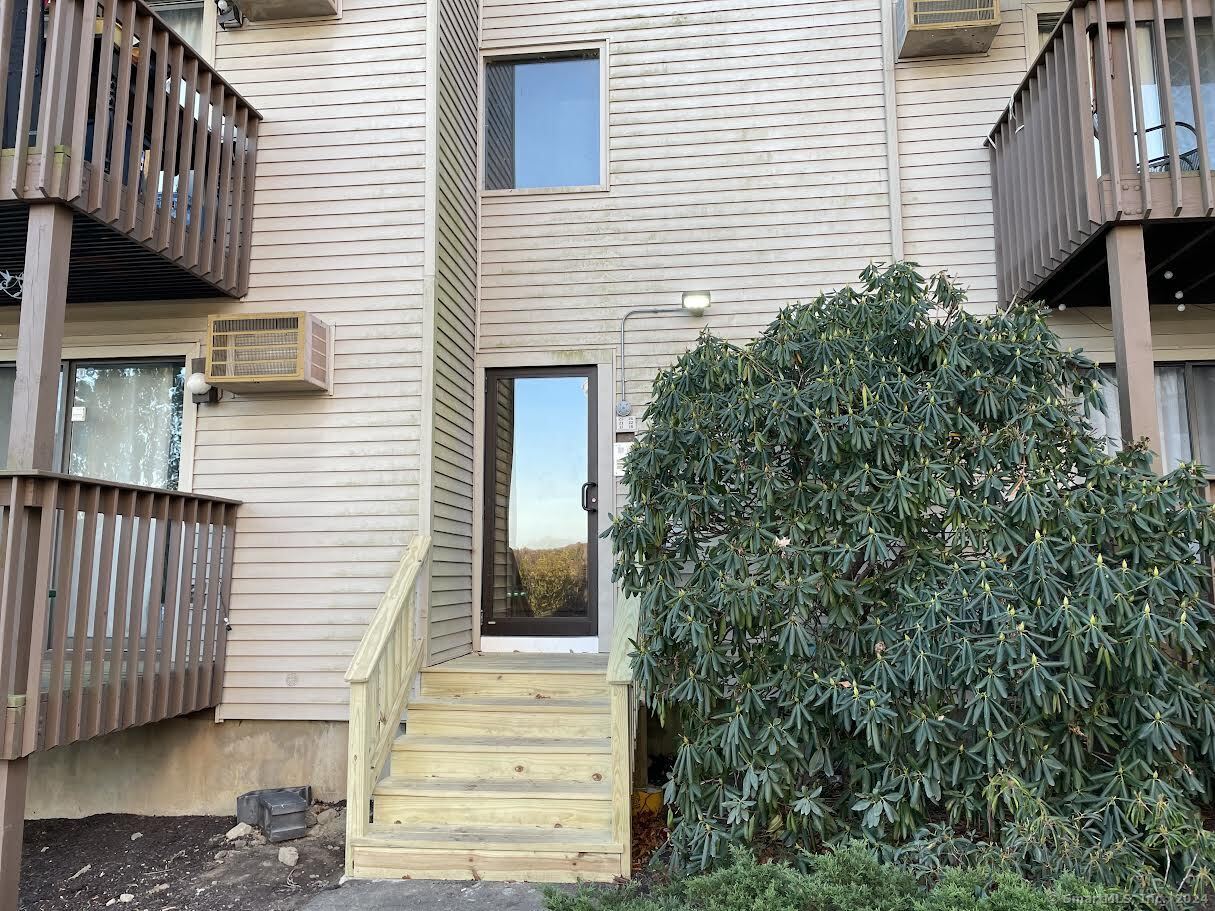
[(528, 662), (522, 716), (475, 802), (496, 838), (504, 772), (502, 758), (531, 684), (528, 853)]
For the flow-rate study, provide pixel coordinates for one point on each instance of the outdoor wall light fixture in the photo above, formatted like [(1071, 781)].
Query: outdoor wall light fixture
[(692, 302), (201, 392), (197, 384), (696, 302), (230, 15)]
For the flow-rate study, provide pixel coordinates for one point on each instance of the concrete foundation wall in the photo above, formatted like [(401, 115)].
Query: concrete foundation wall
[(186, 766)]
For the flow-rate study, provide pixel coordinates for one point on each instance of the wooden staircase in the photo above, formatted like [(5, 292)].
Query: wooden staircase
[(506, 771)]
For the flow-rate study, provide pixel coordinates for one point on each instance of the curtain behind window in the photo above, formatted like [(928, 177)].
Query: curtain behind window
[(1108, 425), (125, 424), (1172, 415), (8, 380), (1174, 421), (1204, 397), (186, 17)]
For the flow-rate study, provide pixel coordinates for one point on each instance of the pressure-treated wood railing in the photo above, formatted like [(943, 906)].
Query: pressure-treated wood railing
[(624, 703), (106, 108), (381, 675), (1108, 125), (113, 604)]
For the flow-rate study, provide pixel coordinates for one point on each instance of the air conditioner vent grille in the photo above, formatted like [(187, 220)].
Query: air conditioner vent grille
[(956, 13)]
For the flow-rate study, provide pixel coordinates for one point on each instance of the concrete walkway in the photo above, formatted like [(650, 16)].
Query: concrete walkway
[(429, 895)]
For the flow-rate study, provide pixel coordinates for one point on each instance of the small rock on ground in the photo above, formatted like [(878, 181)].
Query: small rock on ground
[(289, 856), (240, 830), (429, 895)]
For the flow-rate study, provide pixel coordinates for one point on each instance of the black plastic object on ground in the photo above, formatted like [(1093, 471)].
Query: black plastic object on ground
[(278, 812)]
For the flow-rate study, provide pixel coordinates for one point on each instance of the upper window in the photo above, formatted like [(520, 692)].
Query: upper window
[(1041, 17), (543, 121), (1046, 23), (190, 20)]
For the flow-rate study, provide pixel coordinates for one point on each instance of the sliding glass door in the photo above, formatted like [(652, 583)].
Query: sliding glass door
[(1191, 97), (118, 420), (125, 422)]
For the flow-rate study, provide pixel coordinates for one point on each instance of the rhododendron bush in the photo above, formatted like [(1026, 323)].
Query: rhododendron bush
[(893, 587)]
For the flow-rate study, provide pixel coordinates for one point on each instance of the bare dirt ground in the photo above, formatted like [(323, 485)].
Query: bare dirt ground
[(179, 863)]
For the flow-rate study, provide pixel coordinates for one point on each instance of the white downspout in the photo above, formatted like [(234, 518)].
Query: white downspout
[(890, 99)]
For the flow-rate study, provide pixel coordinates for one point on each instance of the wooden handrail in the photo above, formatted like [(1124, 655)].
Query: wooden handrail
[(390, 608), (381, 676), (137, 488)]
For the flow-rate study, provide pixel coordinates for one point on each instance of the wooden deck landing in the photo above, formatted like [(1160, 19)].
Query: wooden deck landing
[(504, 772)]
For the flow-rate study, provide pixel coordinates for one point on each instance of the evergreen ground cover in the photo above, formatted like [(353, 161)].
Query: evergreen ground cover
[(851, 879)]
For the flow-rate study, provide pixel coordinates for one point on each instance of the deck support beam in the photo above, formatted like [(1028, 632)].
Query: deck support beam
[(13, 774), (31, 445), (48, 246), (1127, 264)]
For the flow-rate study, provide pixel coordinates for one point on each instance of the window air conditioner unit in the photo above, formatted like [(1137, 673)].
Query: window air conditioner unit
[(281, 10), (940, 28), (269, 352)]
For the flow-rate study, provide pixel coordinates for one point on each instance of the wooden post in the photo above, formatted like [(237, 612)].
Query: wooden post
[(622, 714), (12, 820), (40, 337), (1127, 266), (30, 446), (358, 788)]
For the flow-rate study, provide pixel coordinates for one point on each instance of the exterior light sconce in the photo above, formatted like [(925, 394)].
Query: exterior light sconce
[(201, 392), (230, 15), (694, 303)]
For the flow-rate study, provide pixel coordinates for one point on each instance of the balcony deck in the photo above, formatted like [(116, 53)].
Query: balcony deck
[(1069, 160), (113, 603), (159, 169)]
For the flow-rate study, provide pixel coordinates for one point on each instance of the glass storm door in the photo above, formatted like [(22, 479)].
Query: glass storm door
[(538, 572)]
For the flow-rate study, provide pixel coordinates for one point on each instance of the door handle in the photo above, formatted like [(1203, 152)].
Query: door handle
[(590, 496)]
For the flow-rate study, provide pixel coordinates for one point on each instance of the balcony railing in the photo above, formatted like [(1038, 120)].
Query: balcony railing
[(107, 108), (113, 603), (1115, 121)]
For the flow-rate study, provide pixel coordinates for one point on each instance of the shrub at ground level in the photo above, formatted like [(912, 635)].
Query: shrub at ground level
[(892, 587), (850, 879)]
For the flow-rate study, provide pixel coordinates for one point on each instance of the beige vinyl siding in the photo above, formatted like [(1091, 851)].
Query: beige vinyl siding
[(746, 156), (946, 106), (329, 483), (455, 326), (1176, 336)]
